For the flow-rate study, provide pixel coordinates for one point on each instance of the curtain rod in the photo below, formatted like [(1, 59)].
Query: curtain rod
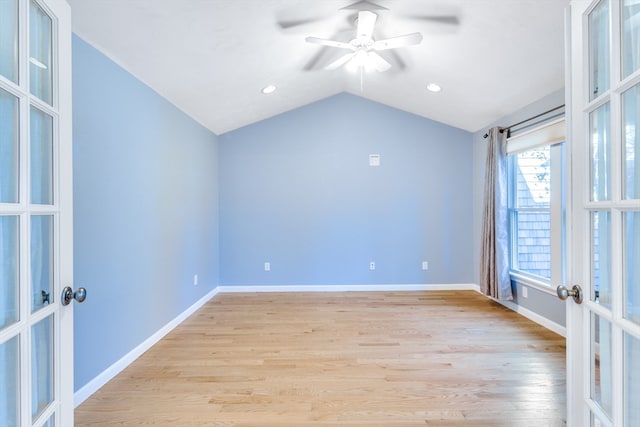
[(508, 128)]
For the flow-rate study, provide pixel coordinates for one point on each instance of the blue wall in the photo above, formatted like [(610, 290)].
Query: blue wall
[(145, 211), (296, 190)]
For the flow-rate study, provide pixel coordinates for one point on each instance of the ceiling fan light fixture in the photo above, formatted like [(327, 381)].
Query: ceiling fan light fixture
[(359, 59), (433, 87), (268, 89)]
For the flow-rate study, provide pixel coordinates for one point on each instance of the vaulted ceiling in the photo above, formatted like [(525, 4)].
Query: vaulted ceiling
[(211, 58)]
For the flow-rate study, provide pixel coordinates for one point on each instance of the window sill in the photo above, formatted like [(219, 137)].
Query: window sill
[(533, 283)]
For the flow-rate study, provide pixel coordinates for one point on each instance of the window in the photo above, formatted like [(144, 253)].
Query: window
[(536, 205)]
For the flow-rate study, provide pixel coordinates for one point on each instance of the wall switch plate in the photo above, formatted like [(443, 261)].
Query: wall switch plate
[(372, 266), (425, 265), (374, 159), (195, 280), (267, 266), (525, 292)]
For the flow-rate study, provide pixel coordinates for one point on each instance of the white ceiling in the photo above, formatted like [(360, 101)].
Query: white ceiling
[(211, 57)]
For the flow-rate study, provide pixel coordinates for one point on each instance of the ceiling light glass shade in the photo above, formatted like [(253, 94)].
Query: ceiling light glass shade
[(432, 87), (361, 59)]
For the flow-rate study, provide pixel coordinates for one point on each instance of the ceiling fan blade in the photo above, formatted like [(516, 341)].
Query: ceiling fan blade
[(378, 62), (400, 41), (285, 25), (332, 43), (340, 61), (443, 19), (364, 5), (366, 22)]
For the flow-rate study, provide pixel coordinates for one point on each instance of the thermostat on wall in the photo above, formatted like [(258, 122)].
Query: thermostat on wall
[(374, 159)]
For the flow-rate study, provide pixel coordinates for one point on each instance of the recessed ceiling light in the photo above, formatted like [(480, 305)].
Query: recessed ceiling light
[(268, 89), (432, 87)]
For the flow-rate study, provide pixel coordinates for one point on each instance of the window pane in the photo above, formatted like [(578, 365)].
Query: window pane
[(599, 50), (533, 240), (631, 164), (9, 382), (9, 271), (631, 256), (41, 366), (533, 178), (601, 257), (40, 53), (595, 422), (41, 260), (9, 148), (632, 381), (41, 139), (600, 153), (9, 39), (51, 422), (601, 363), (630, 37)]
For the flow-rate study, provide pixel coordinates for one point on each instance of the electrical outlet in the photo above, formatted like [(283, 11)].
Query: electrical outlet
[(372, 266), (425, 265), (267, 266), (195, 280), (525, 292)]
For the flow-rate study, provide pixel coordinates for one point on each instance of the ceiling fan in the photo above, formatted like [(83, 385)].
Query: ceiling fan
[(363, 48)]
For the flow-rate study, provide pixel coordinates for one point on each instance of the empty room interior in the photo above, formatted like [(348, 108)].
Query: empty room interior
[(296, 213)]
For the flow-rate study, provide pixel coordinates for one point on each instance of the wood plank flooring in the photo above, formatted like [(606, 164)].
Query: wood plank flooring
[(342, 359)]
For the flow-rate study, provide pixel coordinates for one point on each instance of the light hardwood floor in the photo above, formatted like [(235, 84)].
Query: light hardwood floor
[(342, 359)]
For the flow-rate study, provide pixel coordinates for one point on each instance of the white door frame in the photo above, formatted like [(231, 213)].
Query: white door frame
[(65, 198)]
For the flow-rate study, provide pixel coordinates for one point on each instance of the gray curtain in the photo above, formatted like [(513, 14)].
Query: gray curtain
[(494, 269)]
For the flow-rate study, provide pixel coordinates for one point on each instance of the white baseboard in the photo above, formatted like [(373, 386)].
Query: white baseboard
[(105, 376), (535, 317), (351, 288)]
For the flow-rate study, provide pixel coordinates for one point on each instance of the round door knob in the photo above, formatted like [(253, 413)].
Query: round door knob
[(68, 294), (80, 295), (575, 292)]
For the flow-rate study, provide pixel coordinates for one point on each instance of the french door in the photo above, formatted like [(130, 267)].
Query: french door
[(603, 332), (36, 329)]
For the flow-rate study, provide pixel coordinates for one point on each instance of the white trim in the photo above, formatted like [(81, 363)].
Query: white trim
[(534, 317), (349, 288), (531, 282), (105, 376)]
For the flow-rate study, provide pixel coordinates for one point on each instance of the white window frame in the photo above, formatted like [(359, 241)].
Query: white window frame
[(553, 134)]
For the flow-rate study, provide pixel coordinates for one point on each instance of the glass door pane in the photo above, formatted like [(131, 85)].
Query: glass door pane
[(631, 273), (601, 363), (631, 141), (632, 381), (9, 147), (41, 366), (9, 271), (9, 382), (41, 261), (599, 49), (600, 153), (41, 157), (601, 258), (9, 39), (40, 53), (630, 37)]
